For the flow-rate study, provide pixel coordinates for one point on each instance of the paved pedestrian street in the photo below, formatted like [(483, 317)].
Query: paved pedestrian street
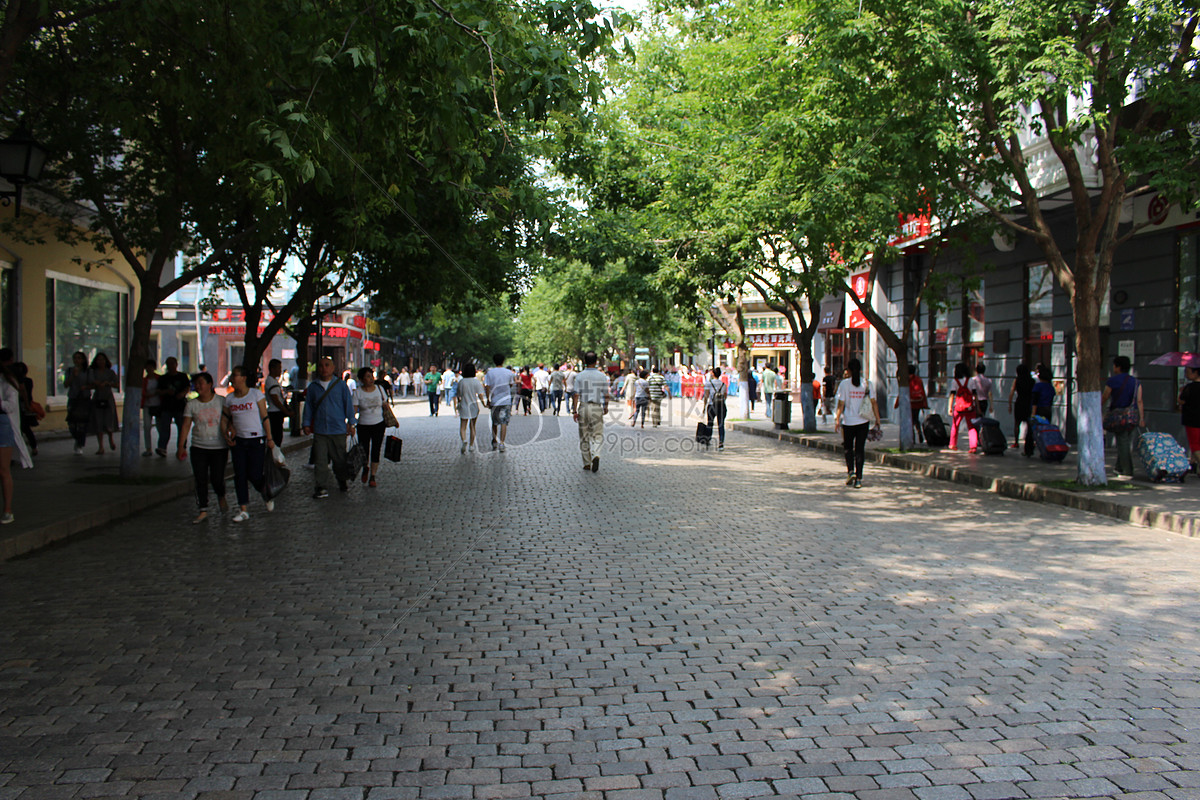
[(680, 625)]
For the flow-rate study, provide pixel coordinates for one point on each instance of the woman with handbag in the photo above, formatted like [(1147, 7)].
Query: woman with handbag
[(11, 442), (102, 382), (249, 437), (1125, 414), (372, 409), (79, 400), (1189, 407), (854, 402)]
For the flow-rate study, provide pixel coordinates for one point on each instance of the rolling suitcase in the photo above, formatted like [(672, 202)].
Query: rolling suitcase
[(1162, 457), (703, 434), (991, 438), (935, 431), (1047, 440)]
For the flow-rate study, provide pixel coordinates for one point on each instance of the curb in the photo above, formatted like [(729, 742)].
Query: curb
[(1005, 487), (37, 538)]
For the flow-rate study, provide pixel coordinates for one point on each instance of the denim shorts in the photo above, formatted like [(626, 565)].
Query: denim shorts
[(501, 414), (7, 437)]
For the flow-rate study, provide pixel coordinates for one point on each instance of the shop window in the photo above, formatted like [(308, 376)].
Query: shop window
[(939, 340), (975, 309), (83, 316), (1189, 293), (1039, 314), (188, 354), (8, 305)]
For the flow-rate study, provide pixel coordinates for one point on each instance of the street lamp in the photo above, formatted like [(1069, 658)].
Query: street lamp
[(335, 300), (21, 162)]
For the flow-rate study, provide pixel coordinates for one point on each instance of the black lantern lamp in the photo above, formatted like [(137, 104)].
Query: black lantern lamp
[(21, 162)]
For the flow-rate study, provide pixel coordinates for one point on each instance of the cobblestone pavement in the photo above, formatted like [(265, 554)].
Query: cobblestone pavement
[(679, 625)]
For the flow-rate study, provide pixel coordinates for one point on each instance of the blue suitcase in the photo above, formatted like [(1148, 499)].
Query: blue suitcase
[(1163, 458), (1047, 439)]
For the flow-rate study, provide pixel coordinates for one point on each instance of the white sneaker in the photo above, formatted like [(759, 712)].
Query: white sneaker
[(471, 449), (241, 516), (502, 447), (462, 449), (270, 505), (78, 450)]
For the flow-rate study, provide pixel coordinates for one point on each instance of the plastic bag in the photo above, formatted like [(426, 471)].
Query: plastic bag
[(276, 475)]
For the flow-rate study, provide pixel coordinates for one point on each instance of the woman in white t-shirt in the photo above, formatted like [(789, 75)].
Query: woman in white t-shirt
[(468, 400), (369, 398), (249, 436), (205, 418), (856, 407)]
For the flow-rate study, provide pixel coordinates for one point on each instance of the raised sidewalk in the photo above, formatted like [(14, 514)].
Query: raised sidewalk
[(1167, 506)]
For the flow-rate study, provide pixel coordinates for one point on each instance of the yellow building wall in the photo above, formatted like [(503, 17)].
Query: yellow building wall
[(32, 262)]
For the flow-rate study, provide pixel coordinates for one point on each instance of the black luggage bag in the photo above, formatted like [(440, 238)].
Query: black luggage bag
[(936, 434), (991, 438), (703, 434)]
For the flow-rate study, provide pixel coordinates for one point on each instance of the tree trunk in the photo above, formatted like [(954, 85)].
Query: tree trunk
[(903, 401), (1089, 373), (807, 376), (135, 360)]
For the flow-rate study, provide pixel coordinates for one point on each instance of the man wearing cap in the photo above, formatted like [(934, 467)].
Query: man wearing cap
[(588, 407)]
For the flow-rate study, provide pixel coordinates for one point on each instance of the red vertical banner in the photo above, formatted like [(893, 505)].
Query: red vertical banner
[(860, 284)]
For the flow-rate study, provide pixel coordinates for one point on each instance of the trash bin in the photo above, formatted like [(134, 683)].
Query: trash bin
[(781, 409)]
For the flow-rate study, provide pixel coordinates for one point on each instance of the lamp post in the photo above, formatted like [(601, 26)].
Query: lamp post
[(21, 162), (335, 300)]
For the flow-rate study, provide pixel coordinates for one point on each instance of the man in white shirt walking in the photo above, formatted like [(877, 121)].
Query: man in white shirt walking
[(497, 384), (589, 405)]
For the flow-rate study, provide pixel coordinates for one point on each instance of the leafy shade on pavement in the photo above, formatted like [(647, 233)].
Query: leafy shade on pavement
[(1076, 486)]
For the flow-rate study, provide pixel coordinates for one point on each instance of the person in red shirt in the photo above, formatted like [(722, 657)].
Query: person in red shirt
[(918, 401)]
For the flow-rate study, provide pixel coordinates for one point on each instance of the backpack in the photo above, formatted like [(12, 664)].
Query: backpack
[(964, 398)]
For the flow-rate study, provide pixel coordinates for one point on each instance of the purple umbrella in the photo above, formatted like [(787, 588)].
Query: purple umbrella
[(1178, 359)]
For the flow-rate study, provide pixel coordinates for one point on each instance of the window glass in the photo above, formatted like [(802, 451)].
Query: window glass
[(1039, 302), (1189, 293), (975, 315), (8, 308), (83, 318)]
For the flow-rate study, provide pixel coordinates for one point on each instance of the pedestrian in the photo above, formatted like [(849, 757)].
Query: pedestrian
[(856, 406), (715, 394), (831, 387), (818, 403), (102, 381), (204, 418), (369, 399), (470, 398), (1189, 407), (10, 438), (526, 379), (151, 405), (449, 379), (590, 405), (752, 388), (918, 401), (404, 382), (641, 396), (329, 417), (629, 389), (981, 387), (770, 385), (541, 385), (172, 388), (1044, 392), (433, 379), (963, 409), (418, 382), (1123, 391), (1020, 402), (569, 384), (558, 385), (79, 400), (29, 411), (658, 388), (498, 390), (249, 437), (276, 404)]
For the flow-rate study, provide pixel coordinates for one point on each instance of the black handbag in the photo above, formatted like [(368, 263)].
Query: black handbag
[(392, 448), (80, 410), (356, 459)]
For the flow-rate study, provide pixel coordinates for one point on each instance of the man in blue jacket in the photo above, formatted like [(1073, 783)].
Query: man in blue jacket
[(329, 417)]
